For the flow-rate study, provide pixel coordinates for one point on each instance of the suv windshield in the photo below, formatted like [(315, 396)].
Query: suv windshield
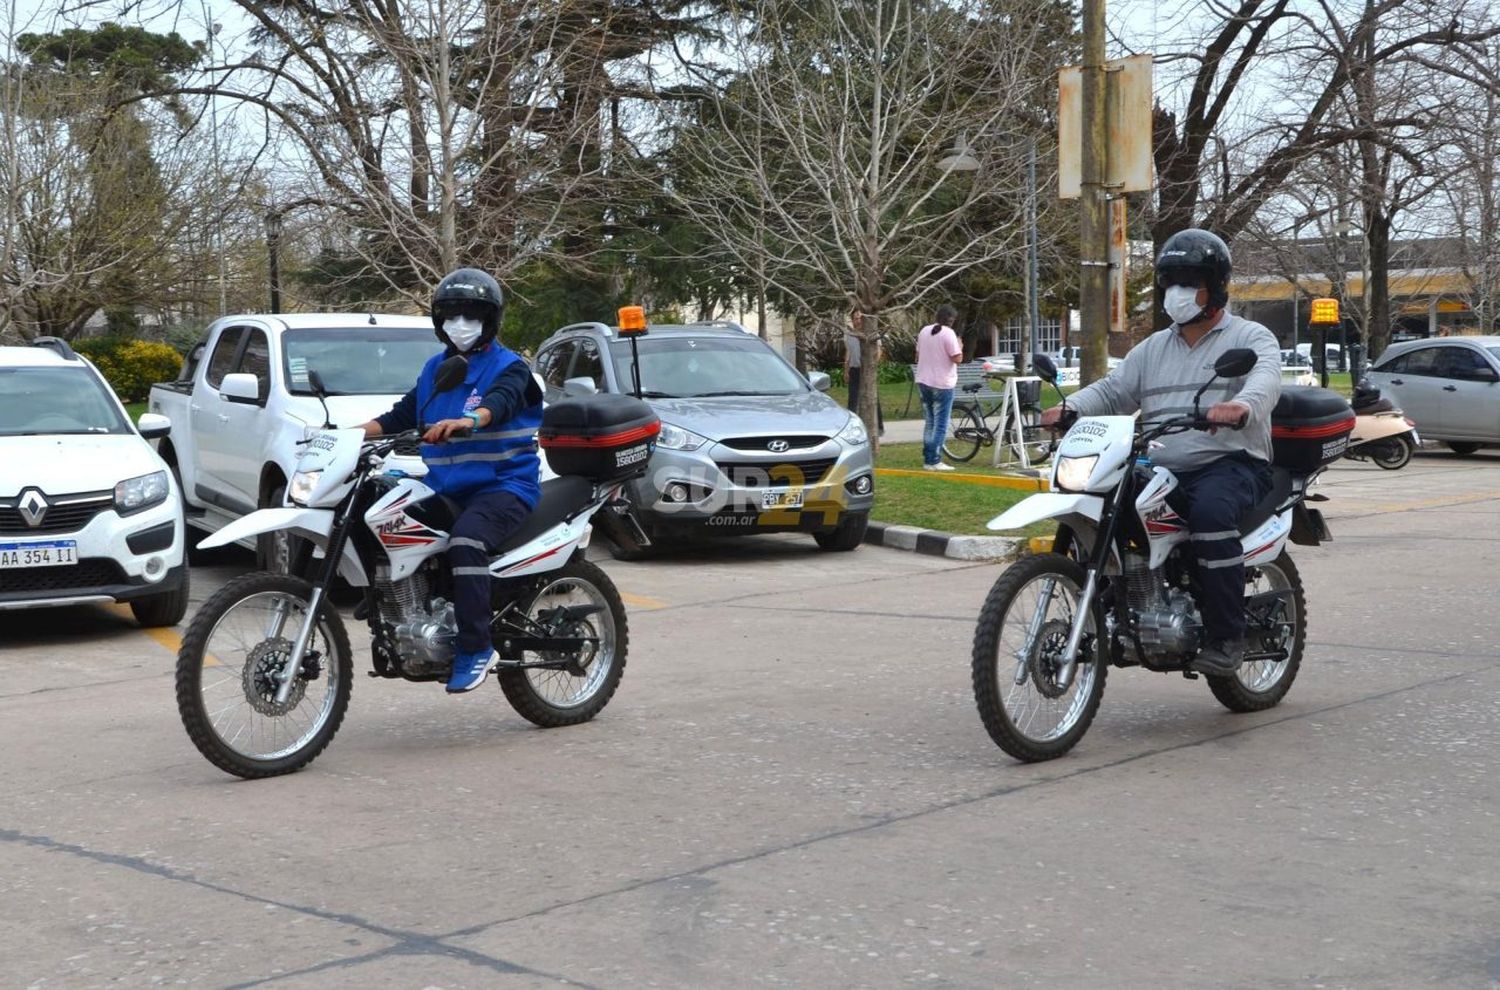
[(44, 401), (694, 367), (357, 360)]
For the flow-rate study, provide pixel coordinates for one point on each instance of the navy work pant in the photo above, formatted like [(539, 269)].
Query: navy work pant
[(854, 398), (487, 521), (1216, 497)]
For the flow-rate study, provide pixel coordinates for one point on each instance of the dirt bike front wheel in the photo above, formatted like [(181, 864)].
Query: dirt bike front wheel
[(230, 665), (587, 677), (1018, 646)]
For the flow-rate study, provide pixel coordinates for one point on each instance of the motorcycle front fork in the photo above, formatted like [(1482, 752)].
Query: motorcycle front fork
[(1069, 665)]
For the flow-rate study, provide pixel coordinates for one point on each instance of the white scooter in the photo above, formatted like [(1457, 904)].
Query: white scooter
[(1382, 433)]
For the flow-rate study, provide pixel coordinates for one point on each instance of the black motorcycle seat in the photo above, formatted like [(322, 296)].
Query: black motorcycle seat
[(1281, 488), (561, 498)]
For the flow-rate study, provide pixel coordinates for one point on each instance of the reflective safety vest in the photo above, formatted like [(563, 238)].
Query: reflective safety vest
[(500, 457)]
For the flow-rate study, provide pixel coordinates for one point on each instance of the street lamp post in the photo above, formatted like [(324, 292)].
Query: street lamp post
[(218, 196), (273, 261), (959, 159)]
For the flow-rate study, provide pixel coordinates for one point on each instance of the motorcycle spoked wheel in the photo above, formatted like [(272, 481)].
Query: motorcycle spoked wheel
[(1394, 454), (227, 669), (1262, 684), (551, 697), (1022, 709)]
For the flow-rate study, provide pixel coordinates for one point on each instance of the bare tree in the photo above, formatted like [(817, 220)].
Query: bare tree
[(815, 168), (1471, 150)]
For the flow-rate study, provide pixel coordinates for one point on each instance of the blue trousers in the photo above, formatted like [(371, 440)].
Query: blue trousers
[(937, 404), (487, 521), (1215, 498)]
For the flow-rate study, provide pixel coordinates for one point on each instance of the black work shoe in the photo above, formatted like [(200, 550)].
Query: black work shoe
[(1221, 657)]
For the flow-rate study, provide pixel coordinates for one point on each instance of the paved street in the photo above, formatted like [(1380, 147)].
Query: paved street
[(792, 788)]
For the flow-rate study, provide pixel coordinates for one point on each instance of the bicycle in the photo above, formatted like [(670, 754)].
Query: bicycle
[(970, 430)]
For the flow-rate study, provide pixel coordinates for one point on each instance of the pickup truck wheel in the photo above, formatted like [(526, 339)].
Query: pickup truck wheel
[(280, 552)]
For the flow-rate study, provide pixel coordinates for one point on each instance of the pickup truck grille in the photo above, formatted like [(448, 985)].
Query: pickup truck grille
[(60, 518)]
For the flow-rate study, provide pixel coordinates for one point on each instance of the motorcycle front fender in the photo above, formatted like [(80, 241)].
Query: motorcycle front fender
[(1048, 505), (313, 524)]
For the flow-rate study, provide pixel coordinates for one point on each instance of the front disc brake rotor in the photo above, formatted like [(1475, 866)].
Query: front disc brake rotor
[(263, 667), (1046, 657)]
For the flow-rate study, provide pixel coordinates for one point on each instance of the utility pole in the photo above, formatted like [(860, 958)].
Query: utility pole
[(1093, 226)]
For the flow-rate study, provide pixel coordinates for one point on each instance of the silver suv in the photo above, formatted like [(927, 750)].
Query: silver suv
[(747, 445)]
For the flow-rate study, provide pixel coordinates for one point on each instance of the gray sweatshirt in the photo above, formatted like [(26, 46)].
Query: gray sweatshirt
[(1160, 375)]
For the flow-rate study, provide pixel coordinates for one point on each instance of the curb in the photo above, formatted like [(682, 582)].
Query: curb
[(940, 544)]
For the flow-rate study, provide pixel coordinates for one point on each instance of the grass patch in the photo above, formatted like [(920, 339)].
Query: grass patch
[(942, 502), (134, 410), (908, 456)]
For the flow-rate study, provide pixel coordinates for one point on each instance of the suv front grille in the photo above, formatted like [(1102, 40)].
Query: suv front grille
[(776, 474), (84, 576), (65, 518), (759, 443)]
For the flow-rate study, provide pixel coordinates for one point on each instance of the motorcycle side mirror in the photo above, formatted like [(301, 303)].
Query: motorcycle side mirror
[(450, 373), (319, 389), (1235, 363), (1045, 369)]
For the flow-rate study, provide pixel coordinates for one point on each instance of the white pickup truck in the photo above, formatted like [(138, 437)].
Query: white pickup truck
[(244, 399)]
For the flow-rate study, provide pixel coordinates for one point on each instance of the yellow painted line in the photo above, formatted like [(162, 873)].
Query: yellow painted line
[(1040, 544), (165, 636), (992, 480), (642, 601)]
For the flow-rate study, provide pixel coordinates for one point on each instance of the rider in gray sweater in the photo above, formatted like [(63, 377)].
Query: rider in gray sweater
[(1223, 473)]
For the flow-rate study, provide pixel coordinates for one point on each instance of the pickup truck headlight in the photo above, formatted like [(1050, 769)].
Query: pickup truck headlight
[(676, 438), (1073, 472), (854, 432), (303, 483), (135, 494)]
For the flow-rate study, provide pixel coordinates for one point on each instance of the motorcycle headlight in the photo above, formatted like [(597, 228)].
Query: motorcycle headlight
[(135, 494), (1073, 472), (854, 433), (676, 438), (303, 483)]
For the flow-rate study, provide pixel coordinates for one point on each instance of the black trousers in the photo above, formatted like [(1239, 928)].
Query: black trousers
[(487, 521), (854, 398), (1213, 499)]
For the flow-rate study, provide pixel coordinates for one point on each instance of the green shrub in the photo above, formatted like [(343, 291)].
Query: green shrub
[(131, 366), (894, 372)]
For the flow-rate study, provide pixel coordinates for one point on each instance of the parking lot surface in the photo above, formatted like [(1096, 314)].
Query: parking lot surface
[(792, 788)]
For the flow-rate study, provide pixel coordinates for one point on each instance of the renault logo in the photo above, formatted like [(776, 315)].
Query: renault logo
[(778, 446), (33, 506)]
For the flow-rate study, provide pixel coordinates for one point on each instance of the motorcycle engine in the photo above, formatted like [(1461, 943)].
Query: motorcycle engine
[(425, 641), (1173, 628)]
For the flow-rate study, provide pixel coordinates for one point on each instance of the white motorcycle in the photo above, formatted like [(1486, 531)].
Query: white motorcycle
[(1118, 588), (265, 669)]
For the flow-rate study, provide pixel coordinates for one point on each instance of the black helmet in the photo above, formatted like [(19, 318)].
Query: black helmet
[(1194, 254), (472, 293)]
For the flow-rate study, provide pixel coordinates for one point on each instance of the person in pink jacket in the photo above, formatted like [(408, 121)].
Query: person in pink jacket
[(938, 356)]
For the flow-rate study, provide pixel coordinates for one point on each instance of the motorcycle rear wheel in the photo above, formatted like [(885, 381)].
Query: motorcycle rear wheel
[(551, 697), (1262, 684), (1032, 720), (1394, 454), (226, 677)]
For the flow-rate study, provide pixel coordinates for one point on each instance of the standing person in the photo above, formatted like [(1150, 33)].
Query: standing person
[(1221, 474), (939, 353), (479, 446), (853, 365)]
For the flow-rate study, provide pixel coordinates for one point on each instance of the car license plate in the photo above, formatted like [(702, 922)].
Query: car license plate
[(781, 500), (53, 553)]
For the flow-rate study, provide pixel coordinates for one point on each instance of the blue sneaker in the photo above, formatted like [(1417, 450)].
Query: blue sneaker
[(470, 670)]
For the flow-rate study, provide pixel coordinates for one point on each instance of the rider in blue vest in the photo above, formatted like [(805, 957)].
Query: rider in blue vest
[(479, 444)]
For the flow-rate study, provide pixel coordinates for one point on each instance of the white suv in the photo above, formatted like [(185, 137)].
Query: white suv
[(88, 511)]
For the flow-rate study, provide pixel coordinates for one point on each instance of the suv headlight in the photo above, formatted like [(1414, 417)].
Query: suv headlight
[(135, 494), (676, 438), (303, 483), (854, 432), (1073, 472)]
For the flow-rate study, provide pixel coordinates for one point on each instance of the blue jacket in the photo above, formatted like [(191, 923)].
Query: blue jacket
[(500, 457)]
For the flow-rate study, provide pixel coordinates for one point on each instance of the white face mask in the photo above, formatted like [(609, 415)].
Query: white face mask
[(1181, 304), (462, 331)]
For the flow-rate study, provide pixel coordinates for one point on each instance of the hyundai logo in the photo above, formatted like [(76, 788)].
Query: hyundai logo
[(778, 446), (32, 506)]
